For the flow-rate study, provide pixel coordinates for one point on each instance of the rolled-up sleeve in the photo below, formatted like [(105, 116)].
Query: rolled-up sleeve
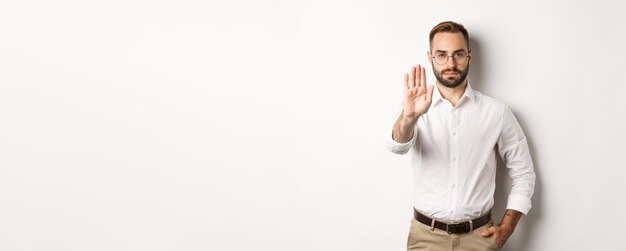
[(396, 147), (513, 148)]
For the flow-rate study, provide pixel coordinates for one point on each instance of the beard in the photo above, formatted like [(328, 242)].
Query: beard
[(451, 81)]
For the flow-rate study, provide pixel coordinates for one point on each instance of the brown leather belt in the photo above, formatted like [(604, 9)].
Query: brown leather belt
[(453, 228)]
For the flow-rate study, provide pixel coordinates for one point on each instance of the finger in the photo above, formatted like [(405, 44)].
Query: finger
[(421, 89), (490, 231), (418, 75), (423, 78), (412, 77), (406, 81)]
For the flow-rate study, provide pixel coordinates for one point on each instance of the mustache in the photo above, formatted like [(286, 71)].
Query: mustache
[(450, 70)]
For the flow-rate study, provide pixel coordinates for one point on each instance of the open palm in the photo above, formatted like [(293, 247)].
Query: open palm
[(417, 98)]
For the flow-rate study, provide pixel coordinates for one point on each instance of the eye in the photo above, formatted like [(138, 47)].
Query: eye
[(441, 56), (460, 54)]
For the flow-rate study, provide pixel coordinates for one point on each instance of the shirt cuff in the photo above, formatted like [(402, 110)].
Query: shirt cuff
[(518, 203), (399, 148)]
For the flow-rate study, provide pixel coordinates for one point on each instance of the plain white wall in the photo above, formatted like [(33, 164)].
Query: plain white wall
[(258, 125)]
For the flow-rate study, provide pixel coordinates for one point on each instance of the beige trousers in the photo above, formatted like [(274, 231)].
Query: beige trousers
[(422, 238)]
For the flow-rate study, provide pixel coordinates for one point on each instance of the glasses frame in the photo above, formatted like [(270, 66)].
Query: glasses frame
[(467, 55)]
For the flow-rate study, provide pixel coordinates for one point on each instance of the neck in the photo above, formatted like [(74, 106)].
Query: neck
[(453, 95)]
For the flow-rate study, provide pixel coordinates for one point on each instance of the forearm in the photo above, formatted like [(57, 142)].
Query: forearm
[(510, 220), (403, 128)]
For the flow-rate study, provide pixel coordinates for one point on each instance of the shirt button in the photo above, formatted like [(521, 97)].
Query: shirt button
[(454, 133), (454, 159)]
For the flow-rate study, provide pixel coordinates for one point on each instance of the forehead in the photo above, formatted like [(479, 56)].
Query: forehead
[(448, 41)]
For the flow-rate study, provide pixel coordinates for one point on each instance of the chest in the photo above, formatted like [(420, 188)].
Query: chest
[(465, 125)]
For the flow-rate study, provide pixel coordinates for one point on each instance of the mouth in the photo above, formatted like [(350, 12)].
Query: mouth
[(451, 73)]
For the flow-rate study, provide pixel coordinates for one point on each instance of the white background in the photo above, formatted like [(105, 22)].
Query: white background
[(258, 125)]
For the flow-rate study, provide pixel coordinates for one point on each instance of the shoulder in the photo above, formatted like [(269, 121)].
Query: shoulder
[(490, 103)]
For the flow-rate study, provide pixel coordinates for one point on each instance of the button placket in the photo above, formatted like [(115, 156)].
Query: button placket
[(454, 160), (454, 172)]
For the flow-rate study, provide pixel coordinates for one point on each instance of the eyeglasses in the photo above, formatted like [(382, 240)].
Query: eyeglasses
[(459, 57)]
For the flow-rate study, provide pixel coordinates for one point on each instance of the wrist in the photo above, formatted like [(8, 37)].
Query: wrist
[(410, 119), (507, 228)]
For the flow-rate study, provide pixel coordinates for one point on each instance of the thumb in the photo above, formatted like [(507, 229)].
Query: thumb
[(429, 93), (490, 231)]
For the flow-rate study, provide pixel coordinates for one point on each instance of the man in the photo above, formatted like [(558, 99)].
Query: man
[(453, 132)]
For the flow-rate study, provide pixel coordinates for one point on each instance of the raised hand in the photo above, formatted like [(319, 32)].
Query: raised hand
[(417, 97)]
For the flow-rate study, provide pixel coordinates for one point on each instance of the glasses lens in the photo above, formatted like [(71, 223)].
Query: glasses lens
[(441, 58), (460, 57)]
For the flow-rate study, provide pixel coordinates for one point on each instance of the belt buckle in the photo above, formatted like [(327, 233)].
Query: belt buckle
[(456, 228)]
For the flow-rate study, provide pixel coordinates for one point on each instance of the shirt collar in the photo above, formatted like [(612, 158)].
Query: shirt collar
[(469, 93)]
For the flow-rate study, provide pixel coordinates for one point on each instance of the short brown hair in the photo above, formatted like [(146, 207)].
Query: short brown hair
[(452, 27)]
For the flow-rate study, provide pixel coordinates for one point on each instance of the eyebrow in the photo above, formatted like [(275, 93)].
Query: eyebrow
[(438, 51)]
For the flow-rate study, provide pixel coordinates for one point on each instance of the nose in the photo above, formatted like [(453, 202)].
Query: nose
[(450, 62)]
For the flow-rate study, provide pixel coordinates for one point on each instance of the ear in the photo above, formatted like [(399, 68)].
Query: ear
[(430, 57), (469, 54)]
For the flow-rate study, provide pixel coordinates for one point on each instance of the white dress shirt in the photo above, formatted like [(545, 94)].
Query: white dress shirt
[(454, 158)]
